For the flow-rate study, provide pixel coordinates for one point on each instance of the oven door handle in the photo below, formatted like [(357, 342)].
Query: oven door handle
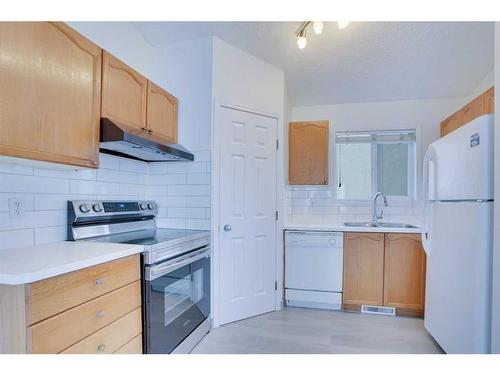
[(162, 269)]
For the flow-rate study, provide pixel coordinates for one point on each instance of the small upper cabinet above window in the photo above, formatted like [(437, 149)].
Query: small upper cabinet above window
[(308, 153), (123, 93)]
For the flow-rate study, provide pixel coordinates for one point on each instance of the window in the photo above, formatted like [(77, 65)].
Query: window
[(368, 162)]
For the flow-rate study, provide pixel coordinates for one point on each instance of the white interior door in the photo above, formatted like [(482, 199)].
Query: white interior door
[(247, 215)]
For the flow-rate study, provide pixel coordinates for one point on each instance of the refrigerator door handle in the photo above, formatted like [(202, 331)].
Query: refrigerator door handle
[(428, 195)]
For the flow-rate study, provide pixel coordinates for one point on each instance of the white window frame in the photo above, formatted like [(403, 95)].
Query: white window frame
[(412, 173)]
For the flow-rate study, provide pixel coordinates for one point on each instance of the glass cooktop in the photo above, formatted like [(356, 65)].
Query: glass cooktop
[(150, 237)]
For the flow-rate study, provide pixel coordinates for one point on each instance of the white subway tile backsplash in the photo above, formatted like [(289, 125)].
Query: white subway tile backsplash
[(188, 190), (181, 190), (198, 202), (16, 238), (203, 224), (93, 187), (198, 179), (27, 198), (188, 167), (110, 175), (186, 212), (12, 168), (32, 219), (109, 162), (11, 183), (84, 174), (136, 166), (167, 179), (164, 222), (50, 234), (320, 200)]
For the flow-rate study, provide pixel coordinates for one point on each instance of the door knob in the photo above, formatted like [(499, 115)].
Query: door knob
[(227, 228)]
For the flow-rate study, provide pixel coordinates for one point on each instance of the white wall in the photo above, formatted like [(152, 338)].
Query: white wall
[(423, 115), (495, 332), (185, 70)]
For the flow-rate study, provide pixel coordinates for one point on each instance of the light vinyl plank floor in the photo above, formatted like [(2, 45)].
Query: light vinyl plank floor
[(313, 331)]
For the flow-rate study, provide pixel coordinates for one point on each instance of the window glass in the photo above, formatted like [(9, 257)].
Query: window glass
[(368, 162), (353, 171), (392, 169)]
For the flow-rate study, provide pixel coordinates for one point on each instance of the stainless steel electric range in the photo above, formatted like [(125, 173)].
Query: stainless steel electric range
[(175, 268)]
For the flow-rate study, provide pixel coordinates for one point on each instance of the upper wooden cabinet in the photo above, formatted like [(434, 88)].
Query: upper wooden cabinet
[(481, 105), (308, 153), (363, 269), (123, 93), (404, 272), (161, 118), (50, 91)]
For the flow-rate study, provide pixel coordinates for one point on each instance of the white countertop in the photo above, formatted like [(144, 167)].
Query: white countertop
[(29, 264), (327, 224)]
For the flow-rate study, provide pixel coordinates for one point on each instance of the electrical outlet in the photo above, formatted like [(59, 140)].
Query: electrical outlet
[(16, 208)]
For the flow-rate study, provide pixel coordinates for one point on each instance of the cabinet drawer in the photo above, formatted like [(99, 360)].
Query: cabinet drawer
[(51, 296), (111, 338), (63, 330), (134, 346)]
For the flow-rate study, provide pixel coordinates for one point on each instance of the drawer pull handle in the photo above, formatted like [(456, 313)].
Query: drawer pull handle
[(101, 347), (100, 314), (99, 282)]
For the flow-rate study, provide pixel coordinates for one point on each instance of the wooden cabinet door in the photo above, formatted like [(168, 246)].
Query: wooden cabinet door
[(308, 153), (161, 118), (50, 86), (404, 275), (363, 269), (489, 101), (451, 123), (474, 109), (123, 93)]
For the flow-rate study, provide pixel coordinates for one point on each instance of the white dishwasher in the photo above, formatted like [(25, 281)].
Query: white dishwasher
[(313, 269)]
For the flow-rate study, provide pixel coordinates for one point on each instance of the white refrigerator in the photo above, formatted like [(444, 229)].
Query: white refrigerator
[(457, 236)]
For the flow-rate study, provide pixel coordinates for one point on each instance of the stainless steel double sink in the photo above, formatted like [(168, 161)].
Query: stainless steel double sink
[(370, 224)]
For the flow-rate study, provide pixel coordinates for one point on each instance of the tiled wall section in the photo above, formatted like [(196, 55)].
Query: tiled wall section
[(303, 202), (182, 191)]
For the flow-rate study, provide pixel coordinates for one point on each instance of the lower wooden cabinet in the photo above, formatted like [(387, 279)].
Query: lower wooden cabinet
[(384, 270), (93, 310), (363, 269), (404, 273)]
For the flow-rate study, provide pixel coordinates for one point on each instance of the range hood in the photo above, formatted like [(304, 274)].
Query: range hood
[(120, 140)]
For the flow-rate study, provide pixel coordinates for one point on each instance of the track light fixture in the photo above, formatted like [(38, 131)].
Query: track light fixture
[(318, 29)]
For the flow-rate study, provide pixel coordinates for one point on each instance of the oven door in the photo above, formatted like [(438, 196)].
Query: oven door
[(176, 299)]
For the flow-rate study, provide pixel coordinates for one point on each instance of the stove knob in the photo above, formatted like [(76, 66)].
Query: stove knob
[(84, 208), (151, 206), (143, 206), (97, 208)]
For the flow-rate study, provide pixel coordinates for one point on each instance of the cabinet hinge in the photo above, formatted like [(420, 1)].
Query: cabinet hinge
[(276, 215)]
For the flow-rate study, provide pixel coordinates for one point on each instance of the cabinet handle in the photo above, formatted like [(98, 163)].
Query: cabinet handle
[(99, 281), (150, 131), (100, 314), (144, 129), (101, 347)]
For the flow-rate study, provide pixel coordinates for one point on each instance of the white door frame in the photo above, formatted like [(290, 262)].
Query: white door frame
[(215, 201)]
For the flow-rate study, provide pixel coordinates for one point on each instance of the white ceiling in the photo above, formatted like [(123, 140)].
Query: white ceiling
[(367, 61)]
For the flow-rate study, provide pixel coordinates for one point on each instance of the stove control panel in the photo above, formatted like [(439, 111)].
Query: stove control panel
[(112, 208)]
